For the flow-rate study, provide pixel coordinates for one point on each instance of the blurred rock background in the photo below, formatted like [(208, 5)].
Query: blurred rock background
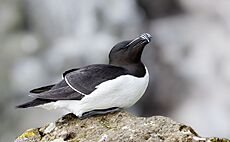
[(188, 59)]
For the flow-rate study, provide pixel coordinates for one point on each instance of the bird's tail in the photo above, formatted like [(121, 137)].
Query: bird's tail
[(33, 103)]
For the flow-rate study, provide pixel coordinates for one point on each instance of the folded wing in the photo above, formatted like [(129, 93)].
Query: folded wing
[(80, 82), (85, 80)]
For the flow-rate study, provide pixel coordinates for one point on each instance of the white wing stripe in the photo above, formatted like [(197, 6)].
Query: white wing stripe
[(73, 87)]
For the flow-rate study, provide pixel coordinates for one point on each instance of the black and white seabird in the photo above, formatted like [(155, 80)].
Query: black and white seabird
[(99, 88)]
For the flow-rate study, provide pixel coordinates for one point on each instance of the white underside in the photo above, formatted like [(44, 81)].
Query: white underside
[(122, 92)]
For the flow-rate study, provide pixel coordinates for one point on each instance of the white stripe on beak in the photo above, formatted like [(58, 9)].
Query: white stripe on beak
[(145, 36)]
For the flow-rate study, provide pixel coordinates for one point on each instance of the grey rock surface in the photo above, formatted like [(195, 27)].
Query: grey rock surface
[(113, 127)]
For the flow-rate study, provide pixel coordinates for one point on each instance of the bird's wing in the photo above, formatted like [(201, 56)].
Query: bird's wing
[(68, 71), (60, 91), (80, 82), (84, 80), (42, 89)]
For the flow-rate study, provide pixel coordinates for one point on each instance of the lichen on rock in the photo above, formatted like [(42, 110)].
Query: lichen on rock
[(29, 135), (113, 127)]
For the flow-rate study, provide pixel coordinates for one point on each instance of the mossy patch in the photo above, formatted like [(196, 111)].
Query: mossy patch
[(219, 140), (29, 135)]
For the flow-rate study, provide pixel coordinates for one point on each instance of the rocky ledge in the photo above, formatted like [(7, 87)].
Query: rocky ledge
[(114, 127)]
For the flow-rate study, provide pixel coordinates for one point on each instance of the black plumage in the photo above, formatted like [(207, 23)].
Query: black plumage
[(124, 59), (35, 102), (87, 78)]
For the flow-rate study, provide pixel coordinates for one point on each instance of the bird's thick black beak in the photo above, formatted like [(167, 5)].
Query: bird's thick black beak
[(143, 39)]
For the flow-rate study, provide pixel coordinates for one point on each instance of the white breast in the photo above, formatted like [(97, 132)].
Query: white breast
[(123, 91)]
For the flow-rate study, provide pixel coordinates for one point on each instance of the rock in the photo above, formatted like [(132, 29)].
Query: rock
[(113, 127)]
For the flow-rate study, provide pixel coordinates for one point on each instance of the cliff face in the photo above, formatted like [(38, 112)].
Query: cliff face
[(119, 126)]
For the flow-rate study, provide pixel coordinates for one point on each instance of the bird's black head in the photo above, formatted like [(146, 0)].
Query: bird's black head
[(129, 52)]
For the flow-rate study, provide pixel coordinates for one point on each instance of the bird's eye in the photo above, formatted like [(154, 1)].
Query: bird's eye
[(121, 46), (124, 48)]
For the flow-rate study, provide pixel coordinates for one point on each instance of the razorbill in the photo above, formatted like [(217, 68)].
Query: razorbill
[(99, 88)]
